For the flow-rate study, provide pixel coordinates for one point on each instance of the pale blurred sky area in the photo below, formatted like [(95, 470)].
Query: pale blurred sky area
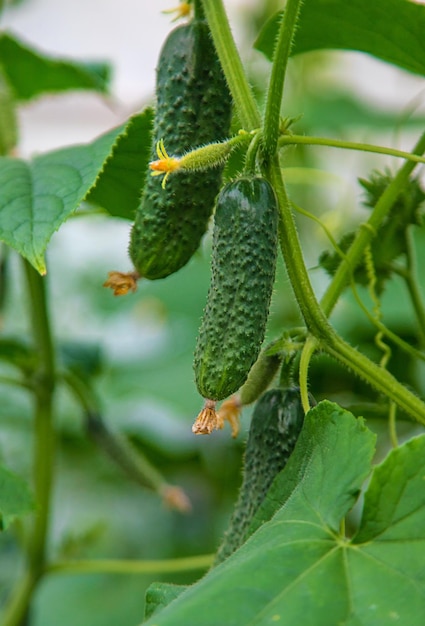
[(127, 33)]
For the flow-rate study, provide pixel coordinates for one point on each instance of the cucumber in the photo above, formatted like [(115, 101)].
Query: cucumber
[(259, 379), (193, 108), (243, 271), (276, 423)]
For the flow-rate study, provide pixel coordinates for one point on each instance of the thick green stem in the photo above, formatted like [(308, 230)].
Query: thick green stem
[(375, 375), (277, 77), (291, 250), (367, 232), (44, 433), (230, 60), (44, 380)]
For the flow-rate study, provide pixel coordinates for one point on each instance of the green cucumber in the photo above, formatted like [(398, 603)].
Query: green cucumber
[(276, 423), (193, 108), (259, 379), (243, 271)]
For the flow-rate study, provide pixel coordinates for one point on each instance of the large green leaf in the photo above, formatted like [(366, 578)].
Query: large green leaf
[(15, 497), (391, 30), (37, 196), (297, 568), (31, 73), (119, 186)]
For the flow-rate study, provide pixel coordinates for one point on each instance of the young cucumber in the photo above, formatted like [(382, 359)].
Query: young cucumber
[(259, 379), (243, 271), (276, 423), (193, 108)]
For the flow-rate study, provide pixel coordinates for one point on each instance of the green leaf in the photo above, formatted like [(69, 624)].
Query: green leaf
[(327, 428), (37, 196), (394, 509), (15, 497), (297, 568), (119, 186), (159, 595), (31, 73), (390, 30)]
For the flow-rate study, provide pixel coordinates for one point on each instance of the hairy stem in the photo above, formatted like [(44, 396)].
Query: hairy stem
[(288, 140), (277, 78), (375, 375)]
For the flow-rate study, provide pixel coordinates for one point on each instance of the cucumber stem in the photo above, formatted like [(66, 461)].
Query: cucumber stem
[(277, 78)]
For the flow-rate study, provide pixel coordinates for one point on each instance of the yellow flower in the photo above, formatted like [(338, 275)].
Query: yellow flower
[(183, 10), (165, 164)]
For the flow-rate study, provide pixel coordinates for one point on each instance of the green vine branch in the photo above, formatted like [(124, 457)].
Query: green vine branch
[(288, 140), (44, 388), (412, 283), (403, 345), (368, 230), (307, 352), (116, 566), (282, 49), (315, 315)]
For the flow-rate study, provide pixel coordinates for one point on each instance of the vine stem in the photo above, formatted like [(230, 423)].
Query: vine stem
[(413, 285), (417, 354), (392, 424), (315, 316), (316, 320), (116, 566), (308, 350), (368, 230), (288, 140), (277, 77), (375, 375), (44, 379)]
